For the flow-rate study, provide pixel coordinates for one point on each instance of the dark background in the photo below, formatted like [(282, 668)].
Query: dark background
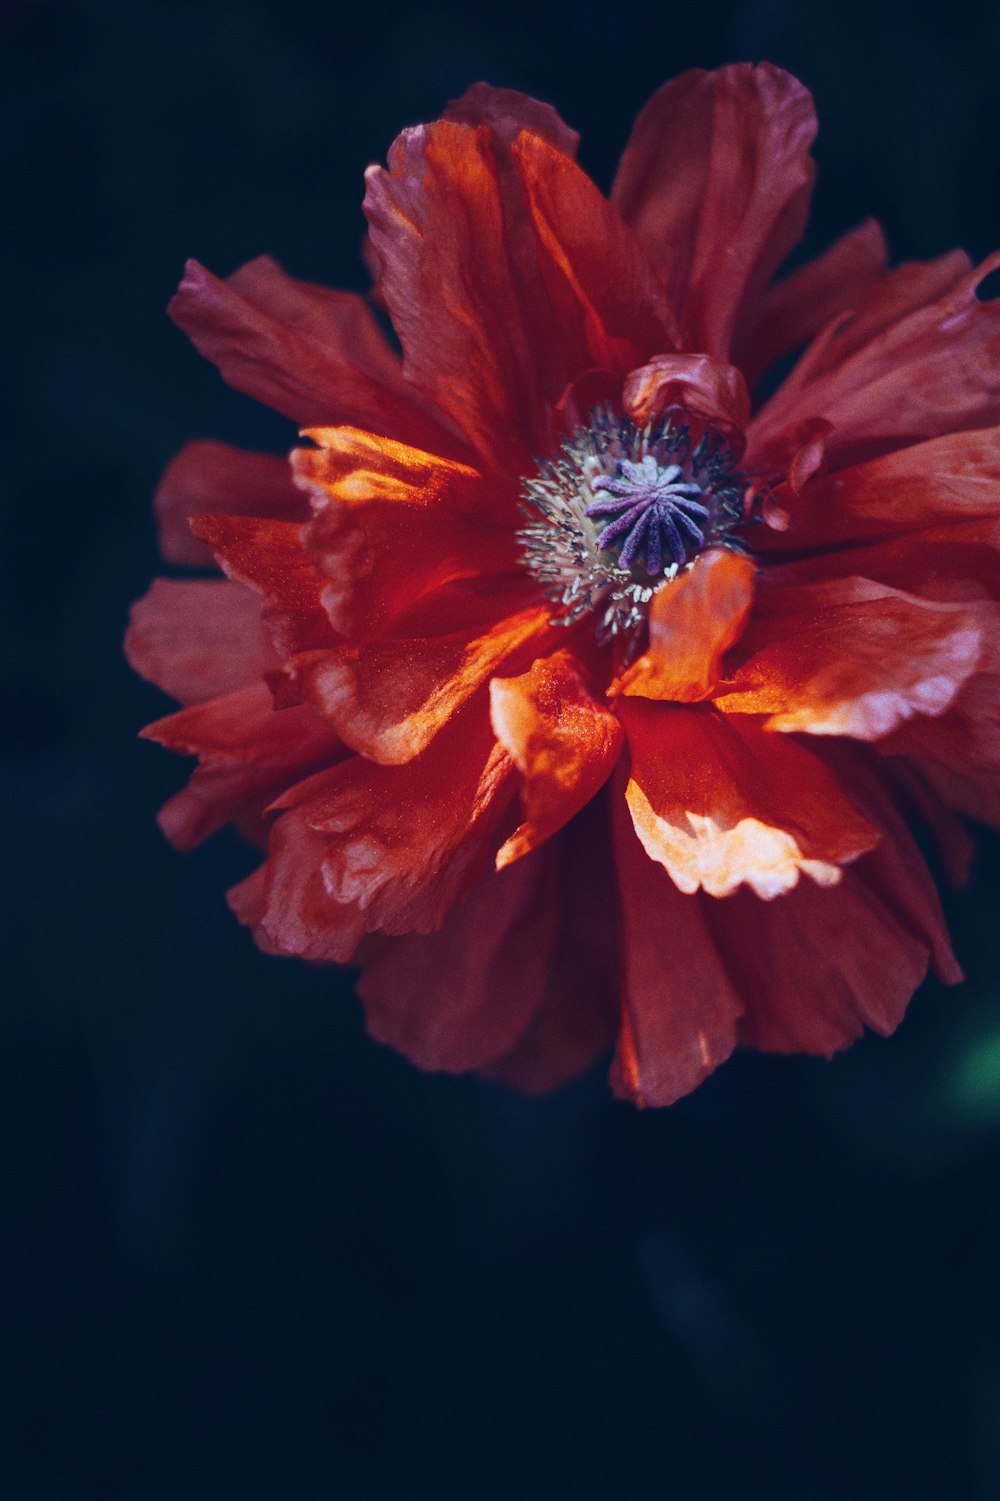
[(244, 1251)]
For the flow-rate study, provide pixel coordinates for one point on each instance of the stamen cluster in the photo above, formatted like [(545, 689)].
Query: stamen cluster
[(621, 511)]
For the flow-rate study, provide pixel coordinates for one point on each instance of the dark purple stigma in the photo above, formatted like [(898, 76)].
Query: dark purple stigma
[(654, 511)]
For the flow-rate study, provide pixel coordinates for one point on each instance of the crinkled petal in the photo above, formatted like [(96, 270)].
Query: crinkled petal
[(393, 526), (852, 657), (313, 354), (215, 477), (364, 848), (894, 373), (270, 558), (720, 802), (388, 699), (693, 621), (561, 739), (198, 638), (716, 181), (247, 754), (679, 1007), (803, 303), (458, 998)]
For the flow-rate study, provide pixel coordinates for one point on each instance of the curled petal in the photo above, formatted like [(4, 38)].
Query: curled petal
[(719, 802), (852, 657), (563, 742), (198, 638), (693, 621), (716, 181), (706, 389), (215, 477)]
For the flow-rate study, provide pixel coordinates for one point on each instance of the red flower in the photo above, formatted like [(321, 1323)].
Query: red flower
[(579, 700)]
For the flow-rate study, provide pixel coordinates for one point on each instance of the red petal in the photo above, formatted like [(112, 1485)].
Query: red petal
[(247, 752), (852, 657), (818, 967), (437, 226), (679, 1005), (577, 1015), (508, 113), (198, 638), (718, 801), (563, 742), (393, 526), (609, 308), (270, 558), (388, 699), (458, 998), (895, 373), (953, 478), (708, 390), (365, 848), (215, 477), (314, 354), (693, 621), (716, 181), (803, 303)]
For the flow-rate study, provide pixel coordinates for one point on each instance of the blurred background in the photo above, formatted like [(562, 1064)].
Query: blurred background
[(244, 1251)]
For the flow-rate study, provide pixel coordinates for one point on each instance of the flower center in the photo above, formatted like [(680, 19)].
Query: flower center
[(621, 510)]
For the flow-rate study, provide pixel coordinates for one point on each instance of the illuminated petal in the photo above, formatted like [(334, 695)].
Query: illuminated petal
[(563, 742), (719, 802)]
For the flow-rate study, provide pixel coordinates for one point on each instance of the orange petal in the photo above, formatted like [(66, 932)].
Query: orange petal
[(388, 699), (393, 526), (718, 802), (215, 477), (679, 1005), (693, 621), (852, 657), (198, 638), (314, 354), (562, 741), (716, 181), (270, 558)]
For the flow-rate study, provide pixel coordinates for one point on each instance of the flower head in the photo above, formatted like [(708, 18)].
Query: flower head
[(581, 699)]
